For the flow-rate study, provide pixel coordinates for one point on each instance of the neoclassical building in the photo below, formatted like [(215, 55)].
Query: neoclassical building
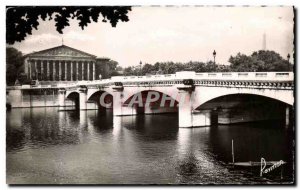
[(63, 63)]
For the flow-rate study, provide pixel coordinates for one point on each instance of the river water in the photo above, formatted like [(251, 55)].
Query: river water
[(45, 146)]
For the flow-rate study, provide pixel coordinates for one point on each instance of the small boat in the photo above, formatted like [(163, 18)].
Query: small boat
[(251, 163), (254, 164)]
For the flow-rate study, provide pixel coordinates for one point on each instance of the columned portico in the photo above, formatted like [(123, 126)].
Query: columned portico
[(61, 63), (53, 70)]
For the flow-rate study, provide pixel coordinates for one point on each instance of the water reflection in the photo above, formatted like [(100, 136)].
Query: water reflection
[(96, 147), (15, 134)]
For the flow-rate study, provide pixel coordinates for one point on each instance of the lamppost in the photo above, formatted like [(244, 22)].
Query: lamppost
[(288, 58), (140, 68), (214, 54)]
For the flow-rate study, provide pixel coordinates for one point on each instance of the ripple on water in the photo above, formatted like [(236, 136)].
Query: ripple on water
[(46, 146)]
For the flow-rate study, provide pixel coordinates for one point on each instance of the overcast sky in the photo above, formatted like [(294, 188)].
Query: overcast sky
[(179, 34)]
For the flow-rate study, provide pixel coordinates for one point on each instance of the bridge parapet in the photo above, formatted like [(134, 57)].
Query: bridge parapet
[(274, 76), (171, 79), (269, 76)]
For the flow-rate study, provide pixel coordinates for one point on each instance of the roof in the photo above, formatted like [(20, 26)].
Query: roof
[(65, 51)]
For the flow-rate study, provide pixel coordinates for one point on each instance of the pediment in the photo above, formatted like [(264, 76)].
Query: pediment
[(61, 51)]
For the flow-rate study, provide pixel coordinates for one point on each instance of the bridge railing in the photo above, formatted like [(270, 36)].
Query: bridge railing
[(273, 76), (276, 76), (143, 78), (268, 76)]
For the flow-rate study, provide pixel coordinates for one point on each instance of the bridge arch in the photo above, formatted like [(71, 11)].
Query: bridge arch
[(246, 107), (92, 91), (242, 96), (164, 103), (73, 96), (169, 91), (69, 92), (101, 95), (211, 93)]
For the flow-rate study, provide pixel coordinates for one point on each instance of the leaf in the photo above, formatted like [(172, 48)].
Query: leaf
[(17, 28)]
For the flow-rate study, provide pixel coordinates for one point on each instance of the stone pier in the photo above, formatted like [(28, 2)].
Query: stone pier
[(83, 98), (61, 99)]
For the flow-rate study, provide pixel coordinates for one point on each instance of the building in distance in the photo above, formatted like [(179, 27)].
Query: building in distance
[(64, 63)]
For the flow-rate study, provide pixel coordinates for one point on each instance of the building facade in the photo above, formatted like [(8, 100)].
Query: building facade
[(63, 63)]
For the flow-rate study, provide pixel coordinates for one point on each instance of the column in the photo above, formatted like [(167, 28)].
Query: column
[(35, 68), (94, 71), (48, 70), (66, 74), (82, 70), (54, 70), (61, 99), (42, 70), (59, 70), (71, 70), (88, 70), (77, 72), (83, 98), (29, 69)]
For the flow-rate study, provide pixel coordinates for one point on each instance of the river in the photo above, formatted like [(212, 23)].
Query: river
[(45, 146)]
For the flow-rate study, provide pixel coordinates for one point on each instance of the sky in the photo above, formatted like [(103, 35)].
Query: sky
[(178, 34)]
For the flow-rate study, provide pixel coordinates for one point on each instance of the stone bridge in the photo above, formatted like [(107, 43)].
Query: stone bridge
[(198, 89)]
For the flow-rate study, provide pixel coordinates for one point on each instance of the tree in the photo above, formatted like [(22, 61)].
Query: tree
[(21, 20), (107, 69), (242, 63), (14, 66), (259, 62), (272, 61), (147, 69)]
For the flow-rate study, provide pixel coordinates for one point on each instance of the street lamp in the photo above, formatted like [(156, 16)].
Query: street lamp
[(214, 54)]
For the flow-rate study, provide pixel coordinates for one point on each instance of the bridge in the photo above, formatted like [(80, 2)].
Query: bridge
[(195, 96)]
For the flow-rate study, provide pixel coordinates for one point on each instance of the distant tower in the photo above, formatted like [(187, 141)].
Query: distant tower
[(264, 42)]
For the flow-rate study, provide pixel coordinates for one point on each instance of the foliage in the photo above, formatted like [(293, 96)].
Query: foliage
[(21, 20), (259, 61), (112, 68), (171, 67), (107, 69), (14, 66)]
